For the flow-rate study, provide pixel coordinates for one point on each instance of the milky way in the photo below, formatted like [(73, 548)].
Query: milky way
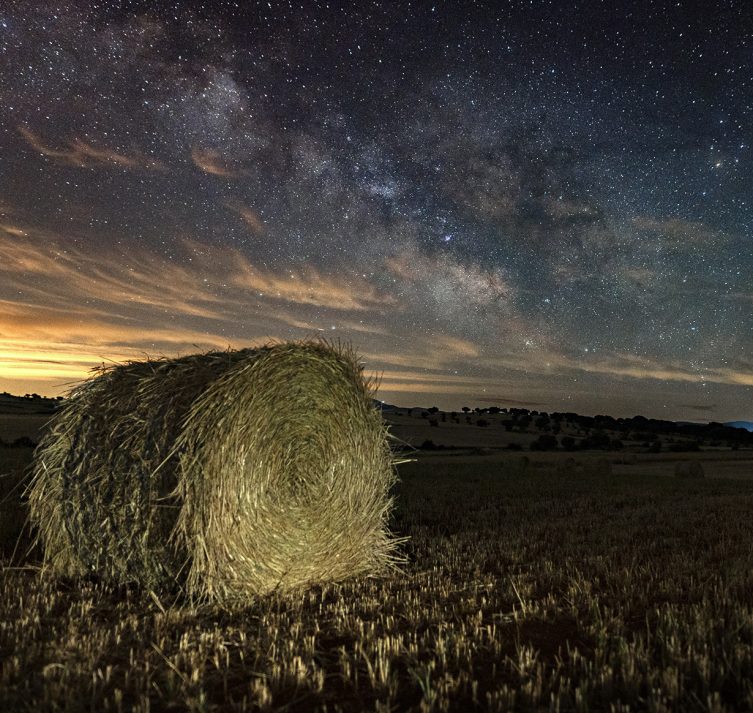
[(538, 203)]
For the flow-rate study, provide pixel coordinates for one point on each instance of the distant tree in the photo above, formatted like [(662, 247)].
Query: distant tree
[(545, 442), (465, 409), (685, 447), (434, 409), (597, 440), (494, 409), (568, 443)]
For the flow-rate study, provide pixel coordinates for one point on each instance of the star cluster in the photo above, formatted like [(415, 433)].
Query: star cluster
[(530, 202)]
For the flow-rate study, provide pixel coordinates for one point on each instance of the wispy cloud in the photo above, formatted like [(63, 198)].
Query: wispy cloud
[(212, 162), (699, 407), (507, 401), (206, 284), (622, 365), (59, 301), (308, 286), (677, 233), (249, 216), (81, 154), (64, 309)]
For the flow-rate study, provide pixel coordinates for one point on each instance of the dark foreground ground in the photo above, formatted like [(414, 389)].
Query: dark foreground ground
[(526, 590)]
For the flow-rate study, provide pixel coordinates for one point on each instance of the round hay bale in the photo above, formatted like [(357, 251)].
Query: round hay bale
[(689, 469), (569, 466), (230, 473)]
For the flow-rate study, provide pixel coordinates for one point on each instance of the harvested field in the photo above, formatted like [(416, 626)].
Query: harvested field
[(14, 426), (525, 590)]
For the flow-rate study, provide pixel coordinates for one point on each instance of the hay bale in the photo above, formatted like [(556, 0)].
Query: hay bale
[(230, 473), (689, 469), (567, 467)]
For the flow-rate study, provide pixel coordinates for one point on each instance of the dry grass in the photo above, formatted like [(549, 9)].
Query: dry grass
[(230, 474), (525, 590)]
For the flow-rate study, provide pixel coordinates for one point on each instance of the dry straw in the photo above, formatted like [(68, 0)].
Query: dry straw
[(230, 473)]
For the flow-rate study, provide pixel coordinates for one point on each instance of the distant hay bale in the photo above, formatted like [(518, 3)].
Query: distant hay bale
[(598, 467), (230, 473), (689, 469)]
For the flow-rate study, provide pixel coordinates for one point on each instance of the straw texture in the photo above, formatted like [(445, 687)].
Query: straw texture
[(230, 473)]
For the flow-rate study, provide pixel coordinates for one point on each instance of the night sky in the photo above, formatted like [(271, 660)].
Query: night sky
[(539, 204)]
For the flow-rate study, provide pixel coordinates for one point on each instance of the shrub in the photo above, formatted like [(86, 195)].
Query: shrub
[(545, 442)]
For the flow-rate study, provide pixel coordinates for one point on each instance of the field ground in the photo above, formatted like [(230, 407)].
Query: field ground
[(14, 426), (525, 589)]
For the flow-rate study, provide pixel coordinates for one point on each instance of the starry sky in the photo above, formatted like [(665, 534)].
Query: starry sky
[(538, 204)]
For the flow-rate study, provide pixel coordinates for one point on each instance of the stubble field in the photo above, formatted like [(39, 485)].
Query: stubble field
[(525, 589)]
